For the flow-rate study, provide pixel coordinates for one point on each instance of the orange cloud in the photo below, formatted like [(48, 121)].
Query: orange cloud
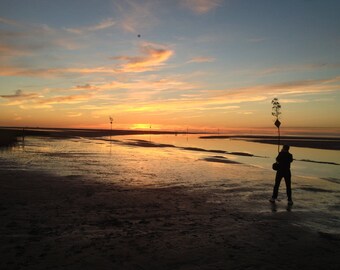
[(154, 56)]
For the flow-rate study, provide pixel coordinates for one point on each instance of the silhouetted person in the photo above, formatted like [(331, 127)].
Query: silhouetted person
[(283, 159)]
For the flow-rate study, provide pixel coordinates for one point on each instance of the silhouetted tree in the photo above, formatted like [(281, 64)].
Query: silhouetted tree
[(276, 112)]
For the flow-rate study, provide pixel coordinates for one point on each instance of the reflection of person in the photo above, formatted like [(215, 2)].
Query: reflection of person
[(283, 159)]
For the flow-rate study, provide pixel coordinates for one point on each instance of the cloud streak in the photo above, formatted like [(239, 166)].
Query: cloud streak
[(201, 59), (228, 98), (107, 23), (292, 68), (181, 96), (19, 94), (36, 101), (201, 6), (153, 56), (54, 72)]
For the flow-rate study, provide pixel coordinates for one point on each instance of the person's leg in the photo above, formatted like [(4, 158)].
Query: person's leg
[(278, 178), (288, 181)]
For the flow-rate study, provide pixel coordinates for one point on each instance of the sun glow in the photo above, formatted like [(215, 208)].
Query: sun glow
[(142, 126)]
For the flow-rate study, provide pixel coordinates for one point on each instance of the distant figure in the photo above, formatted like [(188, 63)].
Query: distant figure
[(283, 159)]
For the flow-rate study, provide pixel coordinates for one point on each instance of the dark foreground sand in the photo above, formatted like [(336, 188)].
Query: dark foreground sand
[(52, 222)]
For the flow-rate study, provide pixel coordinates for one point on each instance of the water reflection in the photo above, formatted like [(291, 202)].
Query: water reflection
[(261, 155)]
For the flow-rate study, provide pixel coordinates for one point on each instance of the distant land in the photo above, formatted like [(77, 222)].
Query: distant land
[(329, 143)]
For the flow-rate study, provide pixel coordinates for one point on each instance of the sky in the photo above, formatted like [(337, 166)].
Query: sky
[(169, 64)]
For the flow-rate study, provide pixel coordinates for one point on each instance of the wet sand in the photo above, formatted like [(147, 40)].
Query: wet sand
[(54, 222)]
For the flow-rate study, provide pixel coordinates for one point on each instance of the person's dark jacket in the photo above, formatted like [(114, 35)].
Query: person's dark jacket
[(284, 159)]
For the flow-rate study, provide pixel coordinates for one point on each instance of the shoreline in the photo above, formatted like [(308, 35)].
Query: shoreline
[(11, 135), (71, 133), (73, 222)]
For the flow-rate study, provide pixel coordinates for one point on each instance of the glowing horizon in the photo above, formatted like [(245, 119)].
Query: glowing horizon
[(202, 65)]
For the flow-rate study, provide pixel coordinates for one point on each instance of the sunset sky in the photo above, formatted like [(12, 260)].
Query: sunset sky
[(169, 63)]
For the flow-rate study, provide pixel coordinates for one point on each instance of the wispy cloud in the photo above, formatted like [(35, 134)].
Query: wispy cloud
[(74, 114), (151, 84), (293, 100), (53, 72), (19, 94), (292, 89), (30, 39), (294, 68), (10, 51), (71, 99), (227, 99), (201, 59), (9, 21), (245, 112), (171, 94), (134, 15), (39, 101), (153, 56), (85, 87), (107, 23), (201, 6)]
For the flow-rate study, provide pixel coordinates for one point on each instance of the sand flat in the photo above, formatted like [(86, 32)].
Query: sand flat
[(54, 222)]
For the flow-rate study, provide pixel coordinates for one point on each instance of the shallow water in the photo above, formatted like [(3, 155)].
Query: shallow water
[(144, 161), (265, 154)]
